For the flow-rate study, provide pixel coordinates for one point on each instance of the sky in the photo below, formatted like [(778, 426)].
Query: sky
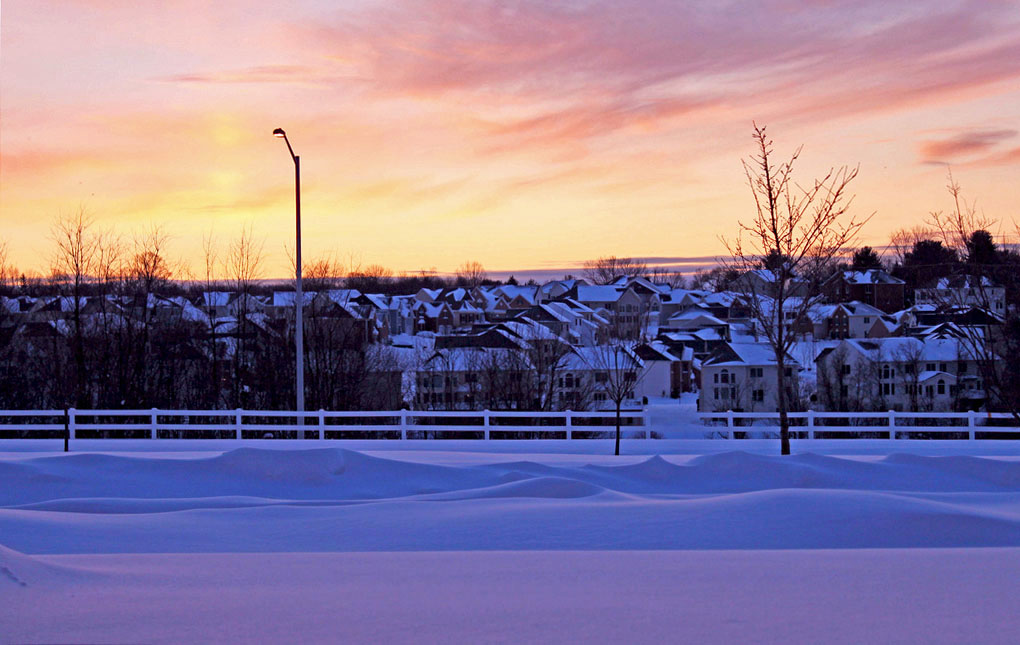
[(522, 135)]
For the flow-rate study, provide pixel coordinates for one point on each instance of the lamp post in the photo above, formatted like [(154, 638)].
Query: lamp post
[(299, 299)]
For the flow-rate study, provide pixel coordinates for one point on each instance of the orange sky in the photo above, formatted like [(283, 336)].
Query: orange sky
[(524, 135)]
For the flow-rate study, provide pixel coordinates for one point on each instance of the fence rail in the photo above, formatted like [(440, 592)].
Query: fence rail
[(892, 423), (488, 424), (318, 424)]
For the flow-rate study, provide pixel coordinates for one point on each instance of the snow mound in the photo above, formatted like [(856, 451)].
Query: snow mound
[(531, 487), (18, 570)]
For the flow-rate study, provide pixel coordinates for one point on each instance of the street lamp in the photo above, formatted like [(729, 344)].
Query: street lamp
[(299, 300)]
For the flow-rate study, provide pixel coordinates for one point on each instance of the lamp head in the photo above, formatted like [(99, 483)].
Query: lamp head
[(279, 133)]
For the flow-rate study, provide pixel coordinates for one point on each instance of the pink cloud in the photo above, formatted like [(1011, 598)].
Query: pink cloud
[(965, 144), (615, 64)]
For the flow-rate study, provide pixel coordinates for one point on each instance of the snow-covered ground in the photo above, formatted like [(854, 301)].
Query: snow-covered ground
[(553, 541)]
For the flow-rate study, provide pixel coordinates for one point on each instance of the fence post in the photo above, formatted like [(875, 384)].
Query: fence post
[(237, 422), (569, 423), (403, 425), (485, 422), (972, 416), (72, 428), (729, 424), (811, 424), (646, 418), (322, 424), (67, 430), (892, 424), (152, 424)]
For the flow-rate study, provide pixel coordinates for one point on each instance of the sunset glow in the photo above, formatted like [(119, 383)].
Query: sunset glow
[(524, 135)]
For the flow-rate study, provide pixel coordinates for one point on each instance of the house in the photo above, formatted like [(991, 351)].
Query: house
[(843, 320), (667, 373), (873, 287), (555, 289), (901, 373), (963, 291), (765, 282), (632, 310), (745, 377)]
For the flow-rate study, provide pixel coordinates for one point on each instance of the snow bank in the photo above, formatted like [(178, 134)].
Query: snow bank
[(284, 545), (329, 499)]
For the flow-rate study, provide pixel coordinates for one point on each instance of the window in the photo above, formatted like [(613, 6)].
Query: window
[(908, 368), (570, 380), (941, 386), (757, 372), (867, 320), (724, 377), (846, 370), (943, 367), (844, 391), (601, 377), (758, 395), (788, 372), (930, 367)]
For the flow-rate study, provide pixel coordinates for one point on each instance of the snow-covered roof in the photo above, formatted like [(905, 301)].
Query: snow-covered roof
[(933, 375), (870, 276), (906, 348), (598, 293), (756, 354)]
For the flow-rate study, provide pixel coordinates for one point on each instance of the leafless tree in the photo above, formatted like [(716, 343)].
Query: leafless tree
[(7, 272), (616, 371), (74, 266), (243, 268), (662, 275), (370, 279), (902, 241), (604, 270), (990, 346), (471, 274), (324, 273), (800, 231)]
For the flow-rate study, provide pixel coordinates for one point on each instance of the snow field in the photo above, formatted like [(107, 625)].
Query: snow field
[(327, 544)]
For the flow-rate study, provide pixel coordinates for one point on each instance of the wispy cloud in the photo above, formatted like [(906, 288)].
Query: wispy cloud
[(601, 66), (964, 146)]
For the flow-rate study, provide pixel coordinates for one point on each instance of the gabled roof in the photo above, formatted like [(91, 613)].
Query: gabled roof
[(962, 282), (598, 293), (753, 354), (904, 348), (870, 276)]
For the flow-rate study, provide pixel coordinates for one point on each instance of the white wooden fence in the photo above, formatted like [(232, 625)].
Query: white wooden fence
[(896, 425), (486, 424), (321, 424)]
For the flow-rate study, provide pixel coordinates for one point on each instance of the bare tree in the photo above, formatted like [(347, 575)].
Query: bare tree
[(74, 267), (471, 274), (616, 371), (243, 268), (371, 278), (800, 230), (989, 346), (902, 241), (672, 279), (7, 273), (604, 270)]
